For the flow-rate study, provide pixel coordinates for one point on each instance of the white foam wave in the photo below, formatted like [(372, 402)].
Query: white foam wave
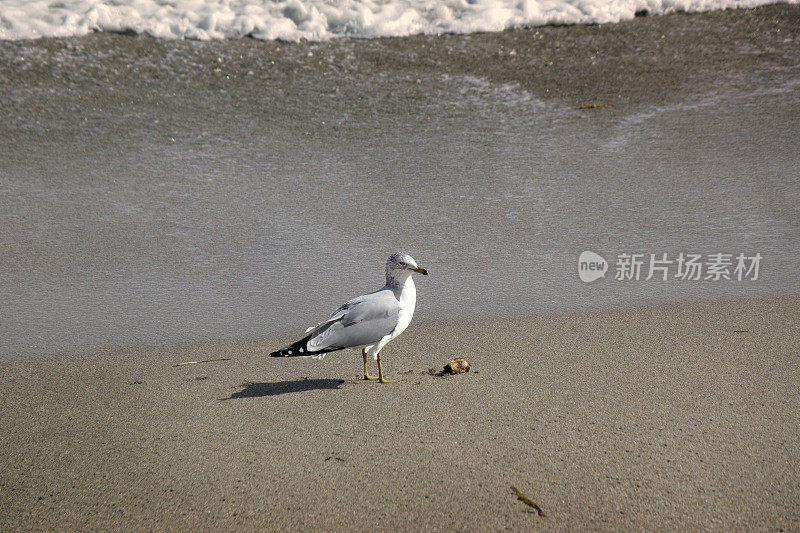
[(318, 20)]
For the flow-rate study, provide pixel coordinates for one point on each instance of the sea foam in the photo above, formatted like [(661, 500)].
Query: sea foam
[(318, 20)]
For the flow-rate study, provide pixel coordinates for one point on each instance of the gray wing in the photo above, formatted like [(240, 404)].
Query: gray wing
[(361, 321)]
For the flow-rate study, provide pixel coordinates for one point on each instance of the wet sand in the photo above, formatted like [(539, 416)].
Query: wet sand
[(162, 191), (677, 418)]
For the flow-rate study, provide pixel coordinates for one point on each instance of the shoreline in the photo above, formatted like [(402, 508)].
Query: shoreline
[(635, 62), (272, 342), (657, 418)]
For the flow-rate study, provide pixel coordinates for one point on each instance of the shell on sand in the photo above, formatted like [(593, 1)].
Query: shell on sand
[(458, 365)]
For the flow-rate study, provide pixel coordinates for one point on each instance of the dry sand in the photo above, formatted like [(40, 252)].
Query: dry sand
[(672, 418)]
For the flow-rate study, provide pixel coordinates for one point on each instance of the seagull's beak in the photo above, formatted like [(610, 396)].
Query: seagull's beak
[(421, 271)]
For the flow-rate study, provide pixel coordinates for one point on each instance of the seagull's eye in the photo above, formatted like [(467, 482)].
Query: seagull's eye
[(403, 263)]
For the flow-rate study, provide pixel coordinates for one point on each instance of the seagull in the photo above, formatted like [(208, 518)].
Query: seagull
[(367, 322)]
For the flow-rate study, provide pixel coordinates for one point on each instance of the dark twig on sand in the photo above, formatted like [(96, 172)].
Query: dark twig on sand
[(204, 361), (521, 497)]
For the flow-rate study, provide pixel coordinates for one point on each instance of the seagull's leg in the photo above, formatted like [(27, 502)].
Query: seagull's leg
[(380, 373), (366, 374)]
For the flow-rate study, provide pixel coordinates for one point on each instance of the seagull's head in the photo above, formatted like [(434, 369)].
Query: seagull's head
[(402, 265)]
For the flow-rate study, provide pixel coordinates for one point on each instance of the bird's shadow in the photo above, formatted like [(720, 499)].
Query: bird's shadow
[(259, 390)]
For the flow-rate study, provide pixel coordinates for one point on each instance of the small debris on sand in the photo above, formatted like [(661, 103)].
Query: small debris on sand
[(459, 365), (204, 361), (521, 497)]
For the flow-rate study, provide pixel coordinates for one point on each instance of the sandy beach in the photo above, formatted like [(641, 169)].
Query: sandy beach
[(682, 418)]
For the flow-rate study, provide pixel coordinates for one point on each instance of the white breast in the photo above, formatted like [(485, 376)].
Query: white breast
[(408, 300)]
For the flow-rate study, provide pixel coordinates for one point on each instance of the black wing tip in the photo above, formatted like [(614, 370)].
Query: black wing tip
[(286, 352), (300, 349), (296, 349)]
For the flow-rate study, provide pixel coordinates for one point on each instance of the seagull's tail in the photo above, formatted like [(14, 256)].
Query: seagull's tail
[(300, 349)]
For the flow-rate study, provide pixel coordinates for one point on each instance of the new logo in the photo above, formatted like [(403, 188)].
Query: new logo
[(591, 266)]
